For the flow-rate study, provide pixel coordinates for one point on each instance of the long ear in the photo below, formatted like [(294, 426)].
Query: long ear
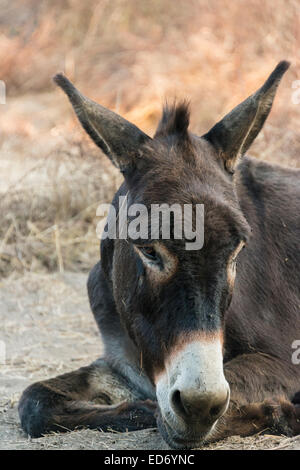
[(120, 140), (233, 135)]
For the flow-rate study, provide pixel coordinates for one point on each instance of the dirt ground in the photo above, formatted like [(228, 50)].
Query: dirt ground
[(48, 329)]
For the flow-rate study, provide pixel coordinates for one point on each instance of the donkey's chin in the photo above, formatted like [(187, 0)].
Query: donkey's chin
[(181, 440)]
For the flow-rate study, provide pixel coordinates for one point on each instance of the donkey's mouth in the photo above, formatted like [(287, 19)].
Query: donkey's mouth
[(190, 440)]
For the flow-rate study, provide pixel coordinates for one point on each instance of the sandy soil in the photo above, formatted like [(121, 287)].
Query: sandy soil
[(48, 329)]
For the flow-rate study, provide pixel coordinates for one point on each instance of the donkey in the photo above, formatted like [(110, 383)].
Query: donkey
[(191, 346)]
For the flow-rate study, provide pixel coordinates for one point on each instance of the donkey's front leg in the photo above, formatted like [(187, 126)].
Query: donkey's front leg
[(94, 397), (262, 391)]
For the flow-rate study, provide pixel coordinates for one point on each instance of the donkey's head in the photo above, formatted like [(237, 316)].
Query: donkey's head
[(172, 300)]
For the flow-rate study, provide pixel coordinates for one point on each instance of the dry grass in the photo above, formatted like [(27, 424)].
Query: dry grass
[(48, 214), (130, 56)]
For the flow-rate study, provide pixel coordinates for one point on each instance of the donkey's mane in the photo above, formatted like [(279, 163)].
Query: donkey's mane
[(175, 120)]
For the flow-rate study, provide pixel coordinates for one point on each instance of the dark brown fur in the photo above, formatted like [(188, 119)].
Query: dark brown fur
[(141, 320)]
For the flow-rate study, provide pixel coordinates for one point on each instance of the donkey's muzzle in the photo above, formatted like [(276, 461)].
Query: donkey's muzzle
[(192, 392)]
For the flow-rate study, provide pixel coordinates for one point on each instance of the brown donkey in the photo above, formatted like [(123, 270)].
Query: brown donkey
[(191, 345)]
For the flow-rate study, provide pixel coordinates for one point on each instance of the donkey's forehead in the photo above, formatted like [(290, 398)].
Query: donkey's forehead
[(189, 172), (181, 150), (181, 171)]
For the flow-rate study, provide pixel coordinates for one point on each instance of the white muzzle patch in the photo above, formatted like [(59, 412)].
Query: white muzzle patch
[(195, 370)]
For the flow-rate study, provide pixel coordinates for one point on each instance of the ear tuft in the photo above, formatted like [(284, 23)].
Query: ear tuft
[(64, 83), (275, 76), (61, 80)]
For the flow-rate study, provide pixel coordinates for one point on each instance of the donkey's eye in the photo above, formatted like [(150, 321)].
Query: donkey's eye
[(159, 262), (149, 252)]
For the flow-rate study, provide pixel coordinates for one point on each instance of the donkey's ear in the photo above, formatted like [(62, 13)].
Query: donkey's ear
[(120, 140), (233, 135)]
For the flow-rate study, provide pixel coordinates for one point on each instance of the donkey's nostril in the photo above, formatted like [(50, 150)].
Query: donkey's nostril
[(215, 411), (219, 407), (177, 403)]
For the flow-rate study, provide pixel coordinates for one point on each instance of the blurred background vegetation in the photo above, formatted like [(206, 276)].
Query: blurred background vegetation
[(129, 55)]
